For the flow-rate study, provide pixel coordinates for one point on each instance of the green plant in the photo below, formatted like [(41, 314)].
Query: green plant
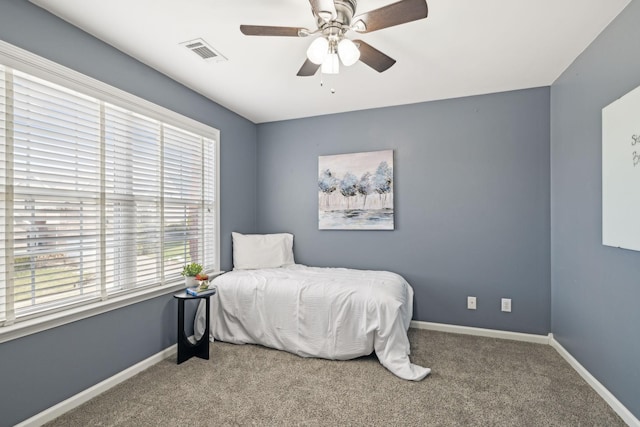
[(190, 270)]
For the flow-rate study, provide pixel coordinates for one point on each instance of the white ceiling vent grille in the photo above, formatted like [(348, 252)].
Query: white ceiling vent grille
[(203, 50)]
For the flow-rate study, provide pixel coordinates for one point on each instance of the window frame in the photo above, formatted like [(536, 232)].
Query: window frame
[(27, 62)]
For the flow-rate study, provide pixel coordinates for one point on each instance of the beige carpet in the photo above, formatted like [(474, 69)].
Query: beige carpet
[(474, 381)]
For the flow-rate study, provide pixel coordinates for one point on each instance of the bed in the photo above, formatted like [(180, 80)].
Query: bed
[(332, 313)]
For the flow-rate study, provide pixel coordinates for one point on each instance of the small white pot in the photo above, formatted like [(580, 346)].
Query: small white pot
[(190, 281)]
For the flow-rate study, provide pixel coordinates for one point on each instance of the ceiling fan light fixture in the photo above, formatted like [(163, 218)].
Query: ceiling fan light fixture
[(317, 50), (331, 64), (348, 51), (333, 19)]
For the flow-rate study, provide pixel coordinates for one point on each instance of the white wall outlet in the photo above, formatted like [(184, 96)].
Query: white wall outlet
[(471, 303), (506, 305)]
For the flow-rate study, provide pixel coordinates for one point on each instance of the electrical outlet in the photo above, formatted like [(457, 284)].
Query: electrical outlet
[(506, 305), (471, 303)]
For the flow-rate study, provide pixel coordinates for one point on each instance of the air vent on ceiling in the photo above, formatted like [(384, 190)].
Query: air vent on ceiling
[(203, 50)]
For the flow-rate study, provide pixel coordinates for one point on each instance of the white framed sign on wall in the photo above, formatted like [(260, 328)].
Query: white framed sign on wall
[(621, 172)]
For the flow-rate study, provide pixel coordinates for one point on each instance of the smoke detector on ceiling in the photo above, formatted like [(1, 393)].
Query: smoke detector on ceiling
[(204, 50)]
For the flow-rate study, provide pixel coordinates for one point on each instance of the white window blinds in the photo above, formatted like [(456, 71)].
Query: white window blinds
[(6, 198), (133, 202), (96, 200), (56, 182)]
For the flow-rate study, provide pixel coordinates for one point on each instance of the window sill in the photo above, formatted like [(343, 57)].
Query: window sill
[(42, 323)]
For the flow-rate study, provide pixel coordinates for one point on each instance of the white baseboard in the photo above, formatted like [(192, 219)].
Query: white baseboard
[(85, 395), (491, 333), (608, 397)]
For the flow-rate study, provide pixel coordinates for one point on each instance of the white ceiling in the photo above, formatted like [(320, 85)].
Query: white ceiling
[(464, 47)]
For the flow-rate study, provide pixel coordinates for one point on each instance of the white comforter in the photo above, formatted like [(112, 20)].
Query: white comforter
[(332, 313)]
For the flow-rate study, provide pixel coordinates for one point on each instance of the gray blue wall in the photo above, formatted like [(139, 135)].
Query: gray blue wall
[(471, 202), (41, 370), (474, 191), (595, 288)]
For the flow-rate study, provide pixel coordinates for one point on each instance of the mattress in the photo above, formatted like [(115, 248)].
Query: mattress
[(332, 313)]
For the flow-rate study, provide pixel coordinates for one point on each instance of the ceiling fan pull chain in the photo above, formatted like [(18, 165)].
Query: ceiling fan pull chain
[(332, 89)]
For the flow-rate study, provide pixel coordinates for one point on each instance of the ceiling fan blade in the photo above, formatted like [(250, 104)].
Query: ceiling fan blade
[(394, 14), (325, 9), (308, 69), (262, 30), (373, 57)]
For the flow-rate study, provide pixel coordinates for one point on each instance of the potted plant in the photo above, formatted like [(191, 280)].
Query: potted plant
[(190, 271)]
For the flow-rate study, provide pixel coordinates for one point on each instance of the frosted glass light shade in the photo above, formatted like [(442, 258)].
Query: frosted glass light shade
[(349, 53), (318, 50), (331, 64)]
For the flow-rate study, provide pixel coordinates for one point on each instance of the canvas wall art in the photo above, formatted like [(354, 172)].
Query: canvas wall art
[(355, 191)]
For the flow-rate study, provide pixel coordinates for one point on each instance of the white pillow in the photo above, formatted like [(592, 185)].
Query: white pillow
[(251, 251)]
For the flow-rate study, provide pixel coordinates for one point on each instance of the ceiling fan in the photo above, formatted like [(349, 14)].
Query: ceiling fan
[(334, 19)]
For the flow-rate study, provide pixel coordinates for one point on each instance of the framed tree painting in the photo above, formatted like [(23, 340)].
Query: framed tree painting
[(355, 191)]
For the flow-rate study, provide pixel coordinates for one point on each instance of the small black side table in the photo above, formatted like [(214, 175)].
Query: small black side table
[(187, 349)]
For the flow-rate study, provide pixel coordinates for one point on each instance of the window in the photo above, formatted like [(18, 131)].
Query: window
[(99, 197)]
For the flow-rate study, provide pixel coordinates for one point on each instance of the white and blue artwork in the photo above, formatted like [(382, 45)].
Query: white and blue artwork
[(355, 191)]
